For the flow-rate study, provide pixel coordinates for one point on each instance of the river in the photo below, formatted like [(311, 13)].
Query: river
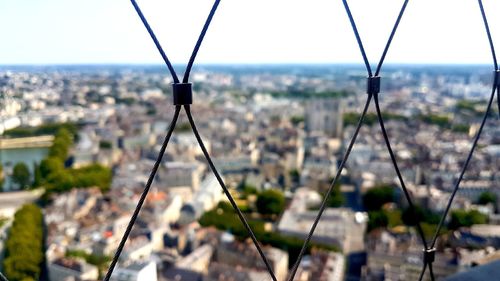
[(29, 156)]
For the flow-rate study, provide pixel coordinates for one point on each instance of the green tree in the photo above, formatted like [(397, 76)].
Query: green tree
[(270, 202), (377, 219), (294, 175), (376, 197), (61, 145), (21, 175), (486, 198), (1, 177), (419, 214), (49, 166), (336, 198), (461, 218), (104, 144), (24, 245), (60, 181), (37, 175), (297, 119), (45, 129), (433, 119), (92, 175)]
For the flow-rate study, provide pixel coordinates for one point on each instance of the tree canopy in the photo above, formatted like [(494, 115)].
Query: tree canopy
[(270, 202), (461, 218), (419, 215), (24, 245), (57, 178), (486, 198), (336, 198), (376, 197), (61, 145), (45, 129), (21, 175)]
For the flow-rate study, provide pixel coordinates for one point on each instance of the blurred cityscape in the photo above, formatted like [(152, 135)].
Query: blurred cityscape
[(77, 144)]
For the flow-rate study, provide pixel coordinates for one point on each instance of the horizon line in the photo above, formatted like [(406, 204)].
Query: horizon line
[(244, 64)]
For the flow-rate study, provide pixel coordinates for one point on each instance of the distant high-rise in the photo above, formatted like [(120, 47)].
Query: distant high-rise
[(325, 115)]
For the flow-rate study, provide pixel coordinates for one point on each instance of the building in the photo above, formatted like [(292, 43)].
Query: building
[(341, 227), (179, 174), (206, 198), (136, 272), (244, 261), (477, 236), (398, 257), (64, 269), (198, 260), (325, 115), (321, 266)]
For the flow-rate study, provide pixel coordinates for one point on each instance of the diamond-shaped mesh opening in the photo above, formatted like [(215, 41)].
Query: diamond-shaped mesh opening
[(182, 99)]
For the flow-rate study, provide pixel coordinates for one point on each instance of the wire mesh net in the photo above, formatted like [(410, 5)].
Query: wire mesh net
[(183, 99)]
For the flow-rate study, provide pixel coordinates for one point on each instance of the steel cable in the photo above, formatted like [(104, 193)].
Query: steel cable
[(195, 131), (370, 95), (351, 144), (398, 171), (187, 108), (493, 53), (431, 272), (488, 33), (381, 120), (422, 272), (464, 168), (155, 40), (200, 40), (330, 189), (143, 195)]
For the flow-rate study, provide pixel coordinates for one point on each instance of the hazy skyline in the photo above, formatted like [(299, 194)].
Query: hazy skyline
[(258, 31)]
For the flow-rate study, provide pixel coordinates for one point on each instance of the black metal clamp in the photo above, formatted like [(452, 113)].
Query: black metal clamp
[(373, 85), (182, 93), (429, 255)]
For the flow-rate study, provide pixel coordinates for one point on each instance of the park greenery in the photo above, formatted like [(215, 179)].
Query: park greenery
[(52, 172), (380, 216), (56, 177), (487, 198), (462, 218), (418, 214), (45, 129), (376, 197), (24, 245), (352, 118), (474, 108), (270, 202), (441, 121), (101, 262)]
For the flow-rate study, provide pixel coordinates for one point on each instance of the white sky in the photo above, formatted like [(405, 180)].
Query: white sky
[(243, 31)]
